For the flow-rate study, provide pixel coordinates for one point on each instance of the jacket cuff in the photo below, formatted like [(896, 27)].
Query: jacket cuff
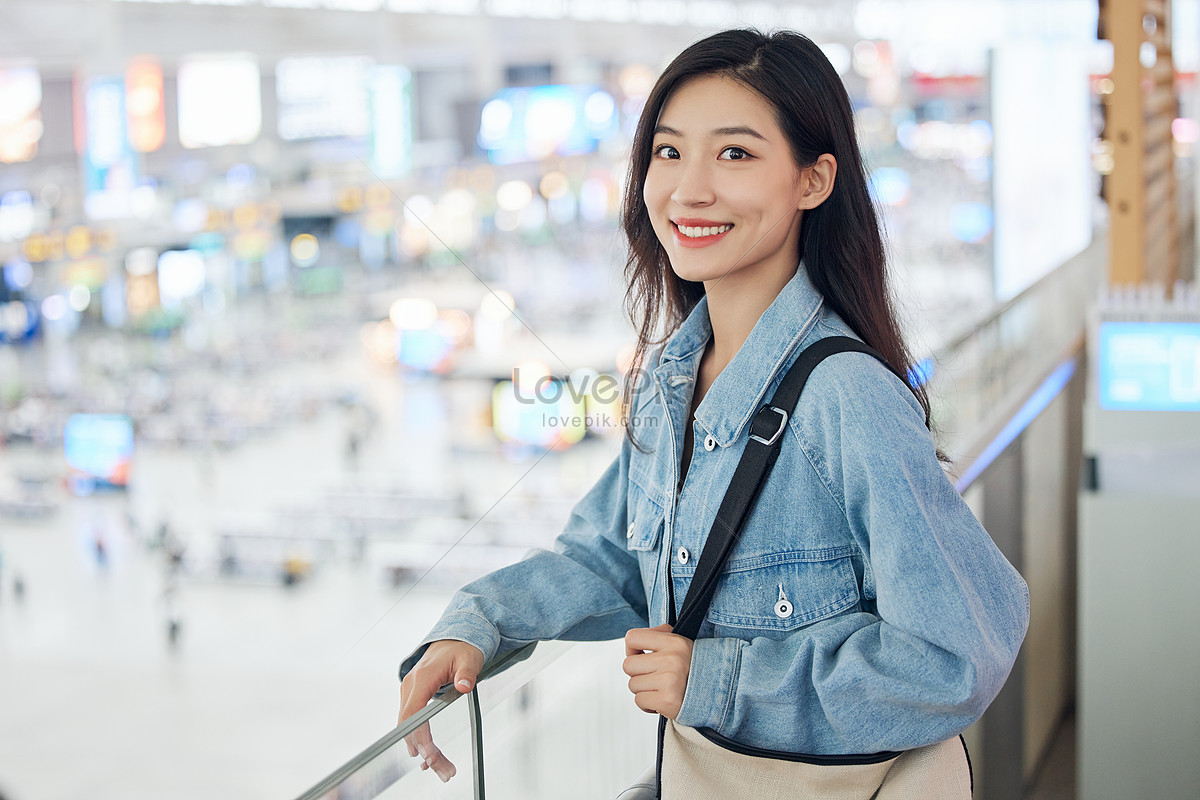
[(712, 678), (462, 626)]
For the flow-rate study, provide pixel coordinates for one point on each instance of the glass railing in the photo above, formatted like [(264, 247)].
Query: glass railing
[(981, 378), (549, 734)]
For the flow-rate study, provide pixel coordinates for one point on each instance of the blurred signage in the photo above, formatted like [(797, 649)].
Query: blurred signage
[(308, 240), (1043, 182), (144, 105), (322, 97), (549, 416), (141, 294), (110, 165), (98, 449), (1149, 366), (425, 349), (16, 215), (20, 113), (18, 320), (180, 276), (89, 272), (391, 120), (220, 102), (529, 123)]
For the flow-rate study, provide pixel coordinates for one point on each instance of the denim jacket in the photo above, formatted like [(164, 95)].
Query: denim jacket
[(902, 619)]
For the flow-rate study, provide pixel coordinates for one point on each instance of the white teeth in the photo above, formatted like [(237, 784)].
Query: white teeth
[(693, 233)]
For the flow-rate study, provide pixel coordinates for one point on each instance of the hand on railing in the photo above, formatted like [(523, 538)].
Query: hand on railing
[(444, 662)]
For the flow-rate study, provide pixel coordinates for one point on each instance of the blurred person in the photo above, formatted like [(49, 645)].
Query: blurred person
[(864, 611), (100, 548), (174, 550), (161, 535), (360, 424), (229, 564), (171, 613)]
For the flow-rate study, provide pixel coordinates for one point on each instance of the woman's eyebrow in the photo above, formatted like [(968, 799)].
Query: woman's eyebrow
[(733, 130)]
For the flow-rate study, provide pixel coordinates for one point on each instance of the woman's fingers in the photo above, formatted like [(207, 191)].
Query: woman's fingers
[(644, 663), (650, 682), (405, 691), (647, 701), (421, 686), (444, 661), (437, 761)]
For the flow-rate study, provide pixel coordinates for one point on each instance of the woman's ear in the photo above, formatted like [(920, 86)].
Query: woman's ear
[(817, 182)]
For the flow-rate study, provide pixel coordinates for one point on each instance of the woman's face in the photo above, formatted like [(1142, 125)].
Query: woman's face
[(720, 162)]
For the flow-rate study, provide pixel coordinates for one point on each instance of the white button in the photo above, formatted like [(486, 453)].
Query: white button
[(683, 555), (629, 531), (710, 442), (783, 608)]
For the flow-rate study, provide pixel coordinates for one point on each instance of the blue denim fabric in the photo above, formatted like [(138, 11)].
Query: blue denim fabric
[(905, 618)]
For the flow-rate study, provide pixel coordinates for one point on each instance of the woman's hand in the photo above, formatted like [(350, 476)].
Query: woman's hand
[(444, 661), (657, 678)]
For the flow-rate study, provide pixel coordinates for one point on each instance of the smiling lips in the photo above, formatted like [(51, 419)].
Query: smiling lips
[(699, 233)]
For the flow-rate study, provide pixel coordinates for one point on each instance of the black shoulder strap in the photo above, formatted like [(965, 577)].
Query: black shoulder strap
[(766, 439)]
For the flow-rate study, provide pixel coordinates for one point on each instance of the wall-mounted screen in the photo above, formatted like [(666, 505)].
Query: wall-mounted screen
[(529, 123), (220, 102), (322, 97), (1149, 366)]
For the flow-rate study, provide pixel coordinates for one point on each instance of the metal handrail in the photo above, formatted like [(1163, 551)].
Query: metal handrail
[(947, 349), (980, 379), (443, 700)]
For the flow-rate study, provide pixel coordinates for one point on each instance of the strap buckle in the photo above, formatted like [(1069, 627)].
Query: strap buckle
[(783, 417)]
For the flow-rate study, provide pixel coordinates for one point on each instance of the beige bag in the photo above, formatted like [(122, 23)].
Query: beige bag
[(693, 767)]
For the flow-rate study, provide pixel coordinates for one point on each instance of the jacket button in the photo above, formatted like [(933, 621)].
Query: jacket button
[(783, 609), (683, 555), (710, 442), (629, 531)]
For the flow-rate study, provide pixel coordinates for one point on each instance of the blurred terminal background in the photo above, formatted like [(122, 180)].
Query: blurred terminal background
[(270, 268)]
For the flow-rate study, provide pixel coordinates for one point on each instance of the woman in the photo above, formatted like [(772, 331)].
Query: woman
[(864, 608)]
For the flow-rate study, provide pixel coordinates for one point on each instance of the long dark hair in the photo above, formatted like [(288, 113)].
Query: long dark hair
[(840, 240)]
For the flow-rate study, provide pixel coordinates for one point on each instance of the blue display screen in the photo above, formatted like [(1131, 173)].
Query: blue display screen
[(99, 445), (1149, 366), (533, 122)]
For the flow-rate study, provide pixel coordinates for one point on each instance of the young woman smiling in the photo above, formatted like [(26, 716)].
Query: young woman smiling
[(863, 612)]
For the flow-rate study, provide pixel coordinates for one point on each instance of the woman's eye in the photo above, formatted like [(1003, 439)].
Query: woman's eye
[(744, 155), (662, 147)]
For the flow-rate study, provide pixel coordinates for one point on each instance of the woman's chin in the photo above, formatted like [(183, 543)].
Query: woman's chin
[(696, 273)]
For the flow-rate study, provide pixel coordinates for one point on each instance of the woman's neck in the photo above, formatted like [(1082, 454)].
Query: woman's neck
[(735, 303)]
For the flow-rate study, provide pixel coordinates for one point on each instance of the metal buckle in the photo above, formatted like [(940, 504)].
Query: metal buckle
[(782, 422)]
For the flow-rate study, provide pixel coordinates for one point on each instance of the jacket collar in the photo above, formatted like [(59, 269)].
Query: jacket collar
[(741, 387)]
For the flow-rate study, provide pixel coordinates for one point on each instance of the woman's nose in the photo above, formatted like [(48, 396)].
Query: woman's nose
[(694, 187)]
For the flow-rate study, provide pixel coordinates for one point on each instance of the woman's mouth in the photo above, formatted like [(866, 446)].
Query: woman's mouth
[(700, 236)]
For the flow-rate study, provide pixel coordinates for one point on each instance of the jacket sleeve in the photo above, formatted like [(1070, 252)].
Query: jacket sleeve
[(950, 611), (588, 587)]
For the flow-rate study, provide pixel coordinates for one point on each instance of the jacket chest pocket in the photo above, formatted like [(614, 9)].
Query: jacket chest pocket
[(646, 519), (785, 591)]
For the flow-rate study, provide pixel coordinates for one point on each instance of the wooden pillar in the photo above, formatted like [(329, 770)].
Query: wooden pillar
[(1141, 190)]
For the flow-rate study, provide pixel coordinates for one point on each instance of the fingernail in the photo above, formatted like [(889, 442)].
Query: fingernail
[(466, 684), (422, 752)]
